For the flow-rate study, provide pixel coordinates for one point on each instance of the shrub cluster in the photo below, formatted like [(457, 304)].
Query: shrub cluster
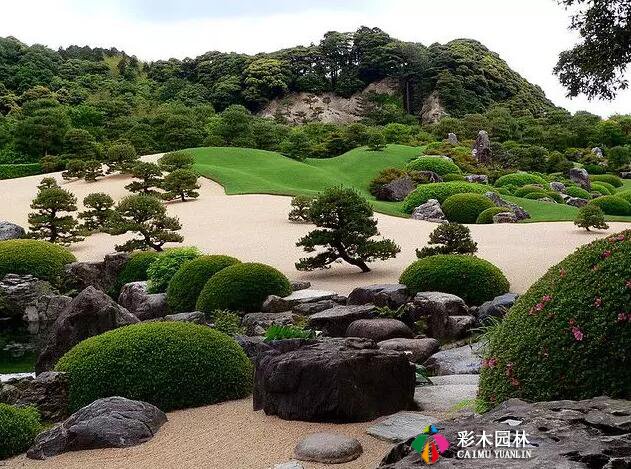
[(42, 259), (612, 205), (440, 191), (18, 428), (135, 270), (437, 164), (11, 171), (486, 217), (162, 270), (465, 208), (608, 178), (520, 179), (575, 191), (168, 364)]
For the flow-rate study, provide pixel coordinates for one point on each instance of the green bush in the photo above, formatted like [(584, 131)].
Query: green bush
[(528, 189), (440, 191), (188, 281), (602, 189), (276, 332), (503, 191), (612, 190), (135, 270), (449, 238), (520, 179), (440, 166), (161, 271), (226, 322), (242, 287), (171, 365), (543, 194), (591, 216), (465, 208), (473, 279), (42, 259), (18, 428), (453, 177), (575, 191), (608, 178), (12, 171), (626, 195), (486, 217), (594, 169), (613, 205), (385, 176), (568, 336)]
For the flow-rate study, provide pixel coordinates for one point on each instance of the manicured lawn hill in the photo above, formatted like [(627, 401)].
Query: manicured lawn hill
[(249, 171)]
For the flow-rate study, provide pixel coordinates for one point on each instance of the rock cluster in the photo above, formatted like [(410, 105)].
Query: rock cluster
[(429, 211)]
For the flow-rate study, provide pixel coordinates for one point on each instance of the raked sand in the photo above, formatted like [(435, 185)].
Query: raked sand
[(255, 228)]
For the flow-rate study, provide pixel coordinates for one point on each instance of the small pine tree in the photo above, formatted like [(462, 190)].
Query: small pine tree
[(99, 211), (121, 157), (451, 238), (146, 216), (180, 184), (347, 226), (300, 208), (48, 221), (376, 140), (176, 160), (149, 176), (591, 216), (75, 169), (92, 170)]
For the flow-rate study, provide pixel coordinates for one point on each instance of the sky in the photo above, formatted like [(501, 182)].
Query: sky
[(527, 34)]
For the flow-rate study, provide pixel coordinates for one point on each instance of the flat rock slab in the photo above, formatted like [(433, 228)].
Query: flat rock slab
[(419, 349), (456, 379), (390, 295), (9, 376), (456, 361), (289, 465), (443, 397), (335, 321), (401, 426), (276, 304), (328, 448)]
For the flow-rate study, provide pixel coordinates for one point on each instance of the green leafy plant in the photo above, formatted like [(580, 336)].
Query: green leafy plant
[(465, 208), (227, 322), (591, 216), (276, 332), (162, 270), (18, 428), (300, 206), (135, 270), (180, 184), (389, 313), (175, 160), (449, 238), (98, 211)]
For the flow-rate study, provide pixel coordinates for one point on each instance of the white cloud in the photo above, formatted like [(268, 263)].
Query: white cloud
[(528, 35)]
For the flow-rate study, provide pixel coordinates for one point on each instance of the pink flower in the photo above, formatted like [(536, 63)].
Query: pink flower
[(628, 284), (562, 272), (514, 382), (491, 362), (546, 299), (606, 254), (598, 302), (578, 334), (622, 317)]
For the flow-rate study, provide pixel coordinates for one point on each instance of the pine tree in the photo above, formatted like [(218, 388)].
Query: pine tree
[(149, 176), (92, 170), (121, 157), (180, 184), (99, 211), (591, 216)]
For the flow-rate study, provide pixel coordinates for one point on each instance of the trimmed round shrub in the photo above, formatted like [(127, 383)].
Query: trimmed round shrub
[(440, 191), (465, 208), (453, 177), (520, 179), (541, 195), (473, 279), (528, 189), (568, 336), (161, 271), (42, 259), (594, 169), (187, 283), (608, 178), (503, 191), (602, 189), (626, 195), (575, 191), (486, 217), (171, 365), (440, 166), (135, 270), (612, 190), (18, 428), (242, 287), (613, 205)]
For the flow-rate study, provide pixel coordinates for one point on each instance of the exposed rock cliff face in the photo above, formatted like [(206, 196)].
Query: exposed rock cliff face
[(432, 110)]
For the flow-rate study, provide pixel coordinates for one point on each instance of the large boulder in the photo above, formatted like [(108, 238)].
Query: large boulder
[(390, 295), (257, 323), (42, 315), (100, 275), (477, 178), (48, 393), (252, 346), (482, 148), (135, 298), (342, 380), (328, 448), (563, 434), (113, 422), (397, 190), (446, 316), (419, 349), (335, 321), (10, 230), (21, 292), (276, 304), (496, 308), (505, 217), (91, 313), (429, 211), (452, 138), (557, 186), (519, 212), (463, 360), (379, 329), (580, 177), (576, 202)]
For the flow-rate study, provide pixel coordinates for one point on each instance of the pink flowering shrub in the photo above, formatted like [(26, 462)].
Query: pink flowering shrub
[(568, 337)]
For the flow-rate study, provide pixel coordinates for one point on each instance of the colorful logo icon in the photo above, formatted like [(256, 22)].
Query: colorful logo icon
[(430, 445)]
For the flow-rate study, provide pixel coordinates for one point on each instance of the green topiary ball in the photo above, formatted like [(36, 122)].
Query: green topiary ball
[(575, 191), (465, 208), (602, 189), (453, 177), (545, 194), (520, 179), (18, 428), (608, 178), (486, 217), (528, 189), (42, 259), (613, 205), (612, 189), (568, 336), (135, 270), (437, 164), (171, 365), (188, 282), (626, 195), (440, 191), (242, 287), (473, 279)]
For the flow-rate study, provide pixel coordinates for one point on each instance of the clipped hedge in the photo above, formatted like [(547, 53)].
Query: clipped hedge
[(189, 280), (12, 171), (568, 336), (528, 189), (575, 191), (520, 180), (473, 279), (440, 191), (437, 164), (42, 259), (608, 178), (162, 270), (602, 188), (613, 205), (486, 217), (626, 195), (242, 287), (453, 177), (135, 270), (465, 208), (543, 194), (171, 365), (18, 428)]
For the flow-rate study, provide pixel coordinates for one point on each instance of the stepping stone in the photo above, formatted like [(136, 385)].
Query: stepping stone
[(456, 361), (276, 304), (455, 379), (328, 448), (289, 465), (401, 426), (443, 397)]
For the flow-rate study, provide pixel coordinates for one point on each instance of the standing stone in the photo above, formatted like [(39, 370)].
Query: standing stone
[(10, 230), (144, 305), (482, 148), (580, 177), (397, 190), (328, 448), (452, 138), (519, 212), (390, 295), (429, 211), (446, 315)]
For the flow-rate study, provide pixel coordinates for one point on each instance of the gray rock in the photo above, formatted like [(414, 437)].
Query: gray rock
[(419, 349), (113, 422), (335, 321), (557, 186), (276, 304), (576, 202), (625, 174), (10, 230), (452, 139), (390, 295), (560, 434), (42, 315), (519, 212), (397, 190), (48, 393), (444, 397), (482, 148), (297, 285), (100, 275), (252, 346), (328, 448), (446, 315), (264, 320), (307, 309), (19, 292), (379, 329), (144, 305), (598, 152), (401, 426), (289, 465), (496, 308), (549, 200), (195, 317), (580, 177), (429, 211), (428, 176), (505, 217), (91, 313), (456, 361), (477, 178)]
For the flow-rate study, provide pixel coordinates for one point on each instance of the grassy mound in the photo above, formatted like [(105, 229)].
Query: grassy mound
[(440, 191), (486, 217), (575, 191), (42, 259), (465, 208), (608, 178), (520, 179), (436, 164)]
